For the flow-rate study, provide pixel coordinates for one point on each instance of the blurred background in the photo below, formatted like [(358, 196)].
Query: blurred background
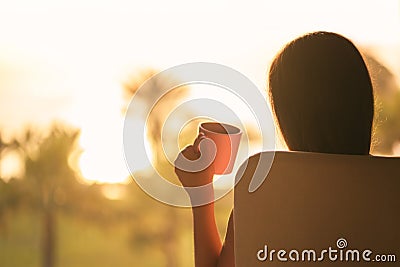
[(68, 70)]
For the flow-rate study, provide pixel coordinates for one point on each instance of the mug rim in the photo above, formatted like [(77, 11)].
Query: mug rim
[(226, 126)]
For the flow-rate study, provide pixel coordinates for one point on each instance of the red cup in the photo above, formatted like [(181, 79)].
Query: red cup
[(226, 138)]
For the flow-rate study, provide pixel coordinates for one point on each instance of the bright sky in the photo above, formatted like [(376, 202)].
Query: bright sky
[(67, 59)]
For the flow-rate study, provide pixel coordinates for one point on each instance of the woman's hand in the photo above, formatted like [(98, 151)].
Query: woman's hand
[(194, 165)]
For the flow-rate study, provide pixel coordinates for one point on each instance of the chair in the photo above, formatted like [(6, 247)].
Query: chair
[(310, 202)]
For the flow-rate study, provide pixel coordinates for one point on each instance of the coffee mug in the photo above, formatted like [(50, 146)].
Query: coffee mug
[(226, 139)]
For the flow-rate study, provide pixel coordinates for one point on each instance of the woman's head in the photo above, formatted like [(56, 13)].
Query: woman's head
[(322, 96)]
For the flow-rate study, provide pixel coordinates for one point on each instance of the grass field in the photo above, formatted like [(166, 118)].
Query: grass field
[(83, 243)]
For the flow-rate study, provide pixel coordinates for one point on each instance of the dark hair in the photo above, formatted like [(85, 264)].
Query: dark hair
[(322, 95)]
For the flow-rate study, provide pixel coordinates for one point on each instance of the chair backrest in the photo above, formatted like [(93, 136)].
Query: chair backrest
[(312, 202)]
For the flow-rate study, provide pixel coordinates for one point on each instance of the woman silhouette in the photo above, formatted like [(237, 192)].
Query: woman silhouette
[(322, 98)]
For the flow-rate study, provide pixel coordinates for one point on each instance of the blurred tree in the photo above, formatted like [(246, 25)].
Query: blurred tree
[(160, 110), (47, 169), (50, 184), (387, 107), (168, 231)]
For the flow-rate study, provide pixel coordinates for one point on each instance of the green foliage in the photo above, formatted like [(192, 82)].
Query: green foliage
[(387, 108)]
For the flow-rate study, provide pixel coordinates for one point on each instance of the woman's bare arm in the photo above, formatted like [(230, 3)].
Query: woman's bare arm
[(207, 242), (227, 255), (208, 248)]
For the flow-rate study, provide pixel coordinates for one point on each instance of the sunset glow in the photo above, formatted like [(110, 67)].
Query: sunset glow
[(62, 62)]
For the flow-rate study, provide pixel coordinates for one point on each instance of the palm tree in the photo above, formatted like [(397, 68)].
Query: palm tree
[(156, 118), (47, 168)]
